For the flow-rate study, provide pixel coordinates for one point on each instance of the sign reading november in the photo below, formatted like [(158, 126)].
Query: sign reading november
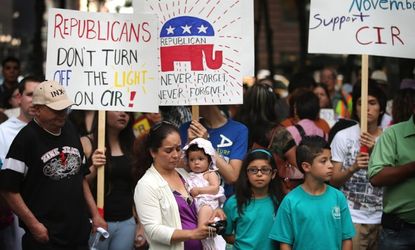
[(375, 27), (105, 61)]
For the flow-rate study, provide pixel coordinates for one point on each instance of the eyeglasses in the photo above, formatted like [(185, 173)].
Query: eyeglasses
[(266, 171)]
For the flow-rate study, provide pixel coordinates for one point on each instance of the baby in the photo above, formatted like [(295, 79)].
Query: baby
[(203, 182)]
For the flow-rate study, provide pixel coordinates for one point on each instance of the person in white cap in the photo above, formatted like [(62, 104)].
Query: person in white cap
[(42, 178)]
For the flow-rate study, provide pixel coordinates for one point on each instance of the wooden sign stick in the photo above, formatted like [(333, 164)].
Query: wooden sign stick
[(101, 170), (195, 112), (363, 98)]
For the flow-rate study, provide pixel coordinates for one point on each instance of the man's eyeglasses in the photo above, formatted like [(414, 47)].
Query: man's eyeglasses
[(266, 171)]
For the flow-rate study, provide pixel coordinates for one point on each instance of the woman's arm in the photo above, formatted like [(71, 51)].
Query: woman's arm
[(97, 220), (97, 158), (200, 233), (154, 211)]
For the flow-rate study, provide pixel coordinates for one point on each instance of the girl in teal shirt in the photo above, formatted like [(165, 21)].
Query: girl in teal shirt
[(251, 211)]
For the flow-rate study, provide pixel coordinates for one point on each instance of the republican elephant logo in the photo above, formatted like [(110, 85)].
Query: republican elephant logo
[(188, 39)]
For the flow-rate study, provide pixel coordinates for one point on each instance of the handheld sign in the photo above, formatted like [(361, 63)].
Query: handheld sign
[(105, 61), (373, 27), (366, 27), (203, 49)]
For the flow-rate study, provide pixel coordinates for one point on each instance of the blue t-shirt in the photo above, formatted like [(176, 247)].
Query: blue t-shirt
[(251, 230), (230, 141), (307, 221)]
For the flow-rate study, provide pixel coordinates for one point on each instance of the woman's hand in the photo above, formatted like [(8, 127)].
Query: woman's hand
[(194, 192), (98, 158), (203, 232), (140, 239), (196, 130), (218, 213), (98, 221), (40, 232)]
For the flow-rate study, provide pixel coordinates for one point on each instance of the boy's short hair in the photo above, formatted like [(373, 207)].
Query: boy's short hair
[(309, 148)]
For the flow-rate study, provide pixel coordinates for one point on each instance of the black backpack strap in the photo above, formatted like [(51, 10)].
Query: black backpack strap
[(300, 130)]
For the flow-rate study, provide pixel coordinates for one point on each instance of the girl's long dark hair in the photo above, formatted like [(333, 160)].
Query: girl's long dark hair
[(147, 142), (243, 193)]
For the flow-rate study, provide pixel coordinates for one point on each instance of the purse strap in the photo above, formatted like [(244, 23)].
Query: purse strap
[(274, 130)]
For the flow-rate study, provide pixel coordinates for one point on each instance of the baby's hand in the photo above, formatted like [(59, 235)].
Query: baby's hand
[(194, 192)]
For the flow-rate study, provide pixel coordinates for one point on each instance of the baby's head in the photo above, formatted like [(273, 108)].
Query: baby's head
[(199, 153)]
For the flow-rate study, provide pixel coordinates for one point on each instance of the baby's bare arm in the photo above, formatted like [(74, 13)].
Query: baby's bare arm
[(213, 187)]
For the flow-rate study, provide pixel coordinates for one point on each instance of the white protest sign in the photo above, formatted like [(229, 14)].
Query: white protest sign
[(105, 61), (373, 27), (329, 116), (203, 49)]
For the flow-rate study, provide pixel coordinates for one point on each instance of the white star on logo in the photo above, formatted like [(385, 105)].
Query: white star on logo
[(186, 29), (170, 30), (202, 29)]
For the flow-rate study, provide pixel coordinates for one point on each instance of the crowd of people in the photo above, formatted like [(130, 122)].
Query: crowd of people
[(270, 174)]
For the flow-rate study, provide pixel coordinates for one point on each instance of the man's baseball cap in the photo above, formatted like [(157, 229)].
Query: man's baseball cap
[(51, 94)]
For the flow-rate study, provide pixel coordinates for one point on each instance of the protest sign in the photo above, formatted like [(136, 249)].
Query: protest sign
[(373, 27), (329, 116), (105, 61), (204, 49)]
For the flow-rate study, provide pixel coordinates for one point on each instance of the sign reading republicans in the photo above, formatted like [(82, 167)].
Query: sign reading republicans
[(105, 61)]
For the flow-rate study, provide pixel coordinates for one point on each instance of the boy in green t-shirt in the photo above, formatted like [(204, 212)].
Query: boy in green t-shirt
[(314, 215)]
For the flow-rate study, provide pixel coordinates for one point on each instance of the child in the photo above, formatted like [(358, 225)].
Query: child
[(314, 215), (203, 182), (251, 211)]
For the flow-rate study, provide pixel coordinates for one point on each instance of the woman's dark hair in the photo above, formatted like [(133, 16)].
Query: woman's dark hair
[(147, 142), (125, 137), (373, 90), (403, 104), (326, 90), (301, 80), (77, 117), (306, 104), (243, 191), (259, 113)]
